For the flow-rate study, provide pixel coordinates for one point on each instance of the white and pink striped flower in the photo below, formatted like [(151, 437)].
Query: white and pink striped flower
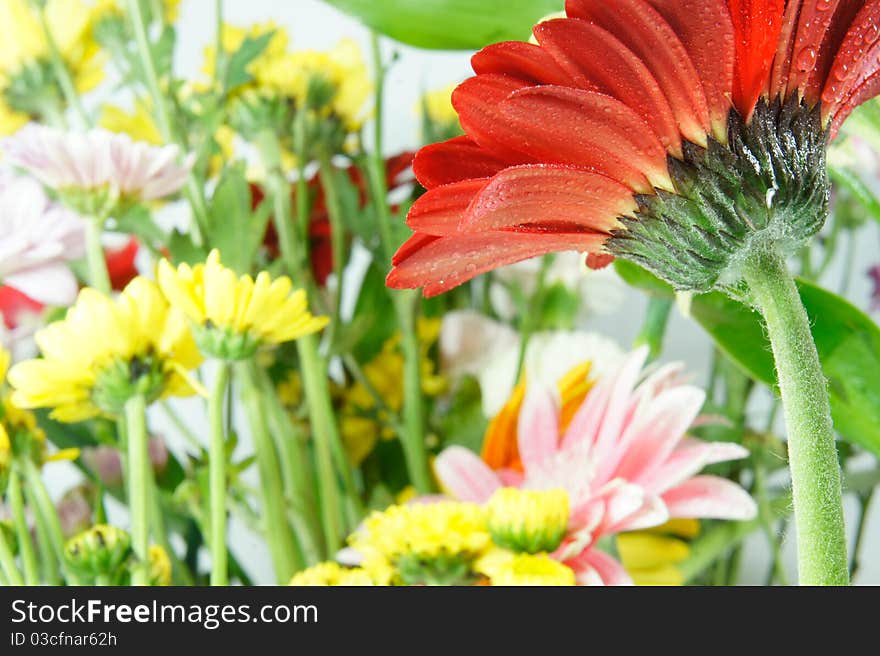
[(98, 160), (625, 461), (37, 239)]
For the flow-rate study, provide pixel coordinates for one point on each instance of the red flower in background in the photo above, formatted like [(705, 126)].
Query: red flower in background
[(120, 265), (563, 138), (320, 237)]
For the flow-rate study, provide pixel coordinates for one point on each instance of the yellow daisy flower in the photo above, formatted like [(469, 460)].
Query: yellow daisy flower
[(437, 106), (332, 574), (138, 124), (104, 352), (651, 557), (234, 316), (426, 543), (528, 521)]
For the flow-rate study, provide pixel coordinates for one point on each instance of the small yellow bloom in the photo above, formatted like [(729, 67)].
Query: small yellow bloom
[(235, 315), (233, 38), (139, 124), (509, 569), (15, 423), (528, 521), (104, 352), (437, 106), (425, 543), (332, 574)]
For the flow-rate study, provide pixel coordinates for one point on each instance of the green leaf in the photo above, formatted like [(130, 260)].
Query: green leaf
[(848, 342), (560, 308), (237, 68), (636, 276), (450, 24), (464, 423), (234, 228), (851, 181)]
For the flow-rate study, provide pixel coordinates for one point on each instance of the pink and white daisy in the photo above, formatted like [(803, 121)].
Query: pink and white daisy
[(98, 160), (625, 461), (37, 238)]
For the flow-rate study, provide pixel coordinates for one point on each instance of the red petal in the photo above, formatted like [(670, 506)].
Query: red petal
[(870, 88), (477, 102), (441, 210), (559, 125), (598, 261), (455, 160), (14, 303), (646, 33), (120, 264), (411, 246), (706, 30), (521, 60), (847, 10), (857, 58), (778, 85), (597, 60), (549, 198), (444, 263), (757, 24)]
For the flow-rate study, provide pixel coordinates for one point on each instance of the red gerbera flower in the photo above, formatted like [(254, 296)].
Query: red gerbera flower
[(658, 130), (121, 264)]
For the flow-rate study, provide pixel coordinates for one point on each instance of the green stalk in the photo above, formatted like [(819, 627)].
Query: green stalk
[(337, 228), (405, 302), (7, 562), (193, 190), (48, 560), (285, 557), (815, 472), (23, 535), (48, 516), (296, 474), (529, 313), (654, 328), (62, 73), (99, 278), (217, 478), (138, 486)]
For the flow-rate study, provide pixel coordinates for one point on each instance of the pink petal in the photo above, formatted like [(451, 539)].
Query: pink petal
[(688, 459), (465, 476), (538, 427), (711, 497), (594, 567)]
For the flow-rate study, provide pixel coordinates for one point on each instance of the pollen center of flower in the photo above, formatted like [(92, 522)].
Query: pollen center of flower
[(768, 186), (530, 521)]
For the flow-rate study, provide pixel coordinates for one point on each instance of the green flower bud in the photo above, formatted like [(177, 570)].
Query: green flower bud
[(100, 551)]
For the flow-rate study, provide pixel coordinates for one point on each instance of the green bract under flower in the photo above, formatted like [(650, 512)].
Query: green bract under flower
[(767, 186)]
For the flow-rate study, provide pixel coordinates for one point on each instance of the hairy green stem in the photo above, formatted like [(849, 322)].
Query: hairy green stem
[(815, 472), (217, 478), (23, 535), (285, 557), (99, 278), (138, 486)]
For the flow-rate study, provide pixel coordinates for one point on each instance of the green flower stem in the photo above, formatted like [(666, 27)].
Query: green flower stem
[(530, 313), (285, 557), (48, 560), (405, 302), (193, 190), (337, 228), (47, 515), (768, 519), (328, 442), (7, 561), (99, 278), (217, 478), (138, 486), (654, 328), (864, 505), (815, 472), (62, 73), (23, 535), (296, 473)]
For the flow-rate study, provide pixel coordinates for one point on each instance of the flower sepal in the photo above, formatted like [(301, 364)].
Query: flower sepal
[(768, 186), (121, 381), (224, 343)]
